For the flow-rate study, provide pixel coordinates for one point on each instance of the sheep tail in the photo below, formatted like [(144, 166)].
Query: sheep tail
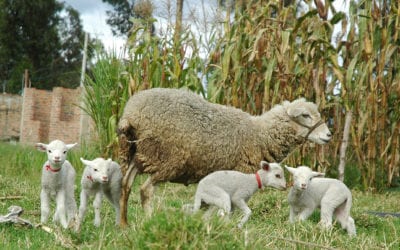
[(127, 149)]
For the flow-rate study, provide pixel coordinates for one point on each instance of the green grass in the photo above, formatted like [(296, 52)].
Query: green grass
[(171, 228)]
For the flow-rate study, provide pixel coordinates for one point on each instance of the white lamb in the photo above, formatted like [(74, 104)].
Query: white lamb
[(330, 195), (58, 179), (100, 177), (226, 188)]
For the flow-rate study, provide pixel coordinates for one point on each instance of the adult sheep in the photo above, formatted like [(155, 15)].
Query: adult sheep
[(177, 136)]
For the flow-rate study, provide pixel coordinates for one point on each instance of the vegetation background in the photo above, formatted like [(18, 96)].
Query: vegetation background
[(261, 53), (269, 51)]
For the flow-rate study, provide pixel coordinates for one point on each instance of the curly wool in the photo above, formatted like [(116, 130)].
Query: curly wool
[(180, 137)]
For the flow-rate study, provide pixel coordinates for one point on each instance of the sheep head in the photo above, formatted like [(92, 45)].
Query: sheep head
[(308, 121), (56, 151), (272, 175), (302, 176), (99, 168)]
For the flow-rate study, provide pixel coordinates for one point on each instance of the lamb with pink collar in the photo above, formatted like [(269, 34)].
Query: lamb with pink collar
[(226, 188), (58, 179), (100, 177)]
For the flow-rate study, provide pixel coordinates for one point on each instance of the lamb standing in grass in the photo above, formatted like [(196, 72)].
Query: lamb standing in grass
[(58, 179), (331, 195), (175, 135), (226, 188), (100, 177)]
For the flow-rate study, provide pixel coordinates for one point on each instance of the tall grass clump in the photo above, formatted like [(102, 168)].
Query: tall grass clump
[(106, 90)]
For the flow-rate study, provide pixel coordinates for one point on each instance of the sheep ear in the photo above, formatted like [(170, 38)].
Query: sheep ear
[(109, 160), (296, 111), (41, 147), (318, 174), (264, 165), (86, 162), (290, 169), (69, 146)]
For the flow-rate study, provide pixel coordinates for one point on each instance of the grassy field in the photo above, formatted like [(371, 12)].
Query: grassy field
[(171, 228)]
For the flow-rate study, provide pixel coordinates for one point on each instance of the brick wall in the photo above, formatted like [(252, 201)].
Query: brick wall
[(10, 116), (47, 116)]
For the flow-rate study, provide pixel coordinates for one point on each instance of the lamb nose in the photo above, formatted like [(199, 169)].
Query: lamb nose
[(329, 134), (303, 185), (105, 178)]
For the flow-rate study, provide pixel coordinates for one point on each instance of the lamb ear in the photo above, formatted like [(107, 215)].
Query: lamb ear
[(41, 147), (86, 162), (318, 174), (290, 169), (69, 146), (109, 160), (264, 165)]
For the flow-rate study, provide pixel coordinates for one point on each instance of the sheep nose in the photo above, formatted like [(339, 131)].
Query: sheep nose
[(57, 157), (303, 185), (329, 134), (105, 178)]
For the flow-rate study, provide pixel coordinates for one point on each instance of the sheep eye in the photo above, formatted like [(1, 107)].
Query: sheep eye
[(306, 116), (278, 176), (95, 169), (49, 151), (65, 152)]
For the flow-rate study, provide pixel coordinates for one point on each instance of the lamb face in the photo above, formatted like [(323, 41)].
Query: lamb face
[(272, 175), (308, 120), (99, 169), (302, 176), (56, 151)]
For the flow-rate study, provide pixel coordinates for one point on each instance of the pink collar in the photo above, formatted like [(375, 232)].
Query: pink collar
[(48, 168), (258, 180)]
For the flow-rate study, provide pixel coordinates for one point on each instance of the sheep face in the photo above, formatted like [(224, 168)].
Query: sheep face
[(56, 151), (99, 169), (302, 176), (308, 121), (272, 175)]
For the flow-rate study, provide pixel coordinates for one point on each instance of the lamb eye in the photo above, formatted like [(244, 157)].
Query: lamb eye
[(95, 169), (65, 152), (49, 151), (278, 176), (306, 116)]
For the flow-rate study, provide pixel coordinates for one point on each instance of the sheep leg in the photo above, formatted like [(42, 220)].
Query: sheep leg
[(60, 215), (343, 216), (44, 206), (351, 227), (97, 207), (241, 204), (197, 203), (305, 213), (126, 185), (327, 209), (82, 209), (292, 215), (71, 207), (146, 194)]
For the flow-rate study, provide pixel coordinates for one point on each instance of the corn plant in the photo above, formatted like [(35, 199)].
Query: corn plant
[(163, 61), (271, 53)]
